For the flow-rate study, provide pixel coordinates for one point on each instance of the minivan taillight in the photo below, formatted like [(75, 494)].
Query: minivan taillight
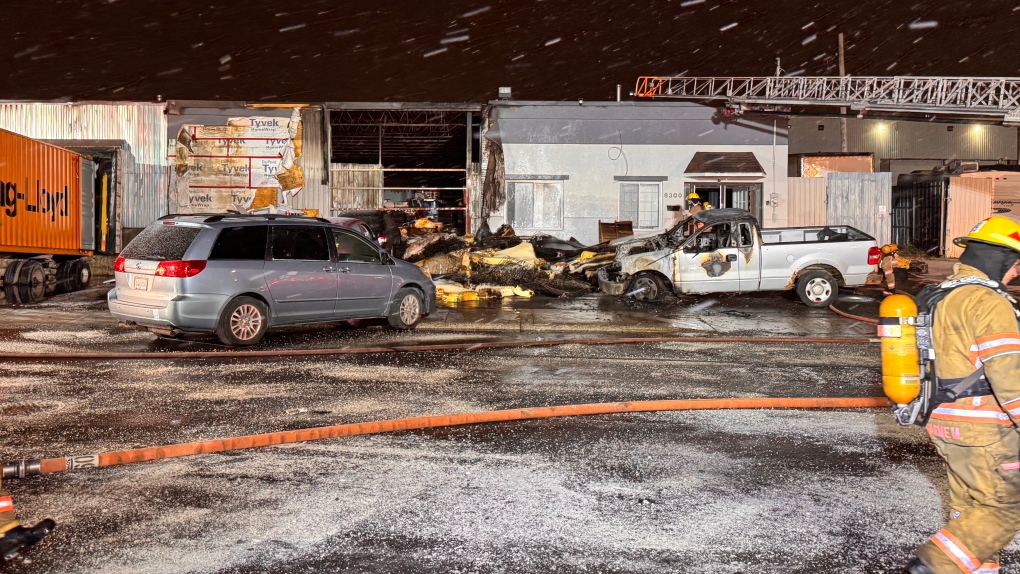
[(181, 269), (874, 256), (118, 264)]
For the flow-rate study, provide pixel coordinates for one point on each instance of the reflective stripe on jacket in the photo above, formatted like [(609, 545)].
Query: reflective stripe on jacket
[(974, 327)]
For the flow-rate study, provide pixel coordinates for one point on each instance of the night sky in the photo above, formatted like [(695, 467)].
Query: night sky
[(438, 50)]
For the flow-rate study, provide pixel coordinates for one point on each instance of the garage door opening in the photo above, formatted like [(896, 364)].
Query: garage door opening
[(417, 160)]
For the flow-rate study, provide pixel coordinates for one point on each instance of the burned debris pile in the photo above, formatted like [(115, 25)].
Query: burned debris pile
[(496, 264)]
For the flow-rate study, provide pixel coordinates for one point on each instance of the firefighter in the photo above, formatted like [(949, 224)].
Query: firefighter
[(975, 327), (890, 259), (14, 536)]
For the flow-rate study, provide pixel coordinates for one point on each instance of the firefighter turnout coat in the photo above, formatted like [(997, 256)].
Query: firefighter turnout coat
[(977, 436)]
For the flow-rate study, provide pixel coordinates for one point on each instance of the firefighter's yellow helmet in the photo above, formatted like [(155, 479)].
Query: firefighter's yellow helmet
[(693, 195), (890, 248), (996, 230), (706, 205)]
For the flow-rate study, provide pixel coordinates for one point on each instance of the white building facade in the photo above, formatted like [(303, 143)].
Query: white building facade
[(570, 166)]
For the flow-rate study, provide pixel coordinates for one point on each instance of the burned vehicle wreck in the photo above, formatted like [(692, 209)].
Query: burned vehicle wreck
[(725, 250)]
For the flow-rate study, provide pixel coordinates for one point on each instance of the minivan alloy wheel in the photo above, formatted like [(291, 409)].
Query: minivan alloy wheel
[(410, 309), (245, 322)]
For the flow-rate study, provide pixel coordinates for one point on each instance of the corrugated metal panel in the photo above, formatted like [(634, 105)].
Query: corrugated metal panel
[(862, 200), (970, 201), (40, 197), (806, 201), (357, 186), (316, 192), (905, 140), (1006, 191), (143, 126)]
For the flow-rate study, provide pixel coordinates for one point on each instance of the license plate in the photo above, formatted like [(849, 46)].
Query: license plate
[(140, 283)]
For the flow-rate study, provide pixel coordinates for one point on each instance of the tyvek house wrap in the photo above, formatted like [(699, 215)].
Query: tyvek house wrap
[(250, 163)]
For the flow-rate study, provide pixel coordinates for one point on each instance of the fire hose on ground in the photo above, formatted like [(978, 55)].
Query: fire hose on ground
[(148, 355), (71, 463)]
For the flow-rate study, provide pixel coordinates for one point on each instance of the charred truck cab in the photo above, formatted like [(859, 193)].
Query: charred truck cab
[(725, 251)]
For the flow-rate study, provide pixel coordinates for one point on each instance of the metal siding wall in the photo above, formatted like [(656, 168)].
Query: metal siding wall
[(143, 126), (315, 194), (349, 182), (970, 201), (856, 199), (905, 140), (806, 205)]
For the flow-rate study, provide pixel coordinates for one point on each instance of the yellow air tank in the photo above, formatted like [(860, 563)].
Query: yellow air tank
[(901, 368)]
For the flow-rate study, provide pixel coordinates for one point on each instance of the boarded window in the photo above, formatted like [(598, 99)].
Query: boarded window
[(639, 202), (535, 204)]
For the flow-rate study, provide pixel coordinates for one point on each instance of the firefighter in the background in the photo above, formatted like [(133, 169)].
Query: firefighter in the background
[(14, 536), (693, 203), (890, 259), (975, 327)]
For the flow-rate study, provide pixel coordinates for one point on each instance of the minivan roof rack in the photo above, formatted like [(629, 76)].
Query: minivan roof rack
[(214, 217)]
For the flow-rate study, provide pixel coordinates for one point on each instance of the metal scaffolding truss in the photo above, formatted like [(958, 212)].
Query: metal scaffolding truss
[(998, 98)]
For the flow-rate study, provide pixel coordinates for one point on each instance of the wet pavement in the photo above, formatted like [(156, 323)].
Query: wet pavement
[(712, 491)]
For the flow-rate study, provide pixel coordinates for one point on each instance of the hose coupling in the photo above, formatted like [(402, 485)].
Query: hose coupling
[(22, 469)]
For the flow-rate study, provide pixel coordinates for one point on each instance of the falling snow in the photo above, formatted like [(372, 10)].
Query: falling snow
[(728, 27)]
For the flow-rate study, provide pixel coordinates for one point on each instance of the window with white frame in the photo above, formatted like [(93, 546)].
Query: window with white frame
[(535, 204), (639, 202)]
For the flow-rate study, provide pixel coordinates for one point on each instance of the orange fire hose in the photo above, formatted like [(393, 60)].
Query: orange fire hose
[(418, 348), (55, 465), (854, 317)]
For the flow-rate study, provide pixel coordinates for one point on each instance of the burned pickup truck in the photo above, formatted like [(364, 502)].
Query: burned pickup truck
[(724, 250)]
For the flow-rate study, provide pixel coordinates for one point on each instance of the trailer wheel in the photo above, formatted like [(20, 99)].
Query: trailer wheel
[(817, 288), (81, 274), (31, 282)]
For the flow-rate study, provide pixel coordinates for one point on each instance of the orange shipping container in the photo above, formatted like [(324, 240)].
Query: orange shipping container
[(41, 198)]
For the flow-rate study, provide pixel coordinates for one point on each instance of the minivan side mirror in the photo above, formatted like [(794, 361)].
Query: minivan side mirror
[(387, 259)]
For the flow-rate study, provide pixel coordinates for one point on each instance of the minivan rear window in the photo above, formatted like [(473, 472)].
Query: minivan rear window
[(161, 242), (245, 242)]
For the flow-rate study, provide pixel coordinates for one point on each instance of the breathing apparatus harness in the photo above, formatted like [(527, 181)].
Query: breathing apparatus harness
[(935, 391)]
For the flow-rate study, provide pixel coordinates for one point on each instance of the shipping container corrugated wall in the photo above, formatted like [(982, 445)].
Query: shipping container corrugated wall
[(806, 206), (861, 200), (316, 192), (142, 125), (40, 197), (970, 201)]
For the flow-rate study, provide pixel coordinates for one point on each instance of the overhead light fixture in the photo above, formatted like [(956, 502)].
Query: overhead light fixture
[(880, 127), (977, 129)]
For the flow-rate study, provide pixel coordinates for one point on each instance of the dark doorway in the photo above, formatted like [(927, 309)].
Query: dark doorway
[(917, 211)]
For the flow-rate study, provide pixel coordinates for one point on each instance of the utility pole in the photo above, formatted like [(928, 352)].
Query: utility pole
[(842, 111)]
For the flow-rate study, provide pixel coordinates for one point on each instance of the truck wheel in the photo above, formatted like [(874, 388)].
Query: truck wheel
[(647, 287), (817, 288), (406, 311), (31, 282), (243, 322), (81, 274)]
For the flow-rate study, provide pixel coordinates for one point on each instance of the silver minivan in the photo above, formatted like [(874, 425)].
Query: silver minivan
[(237, 275)]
